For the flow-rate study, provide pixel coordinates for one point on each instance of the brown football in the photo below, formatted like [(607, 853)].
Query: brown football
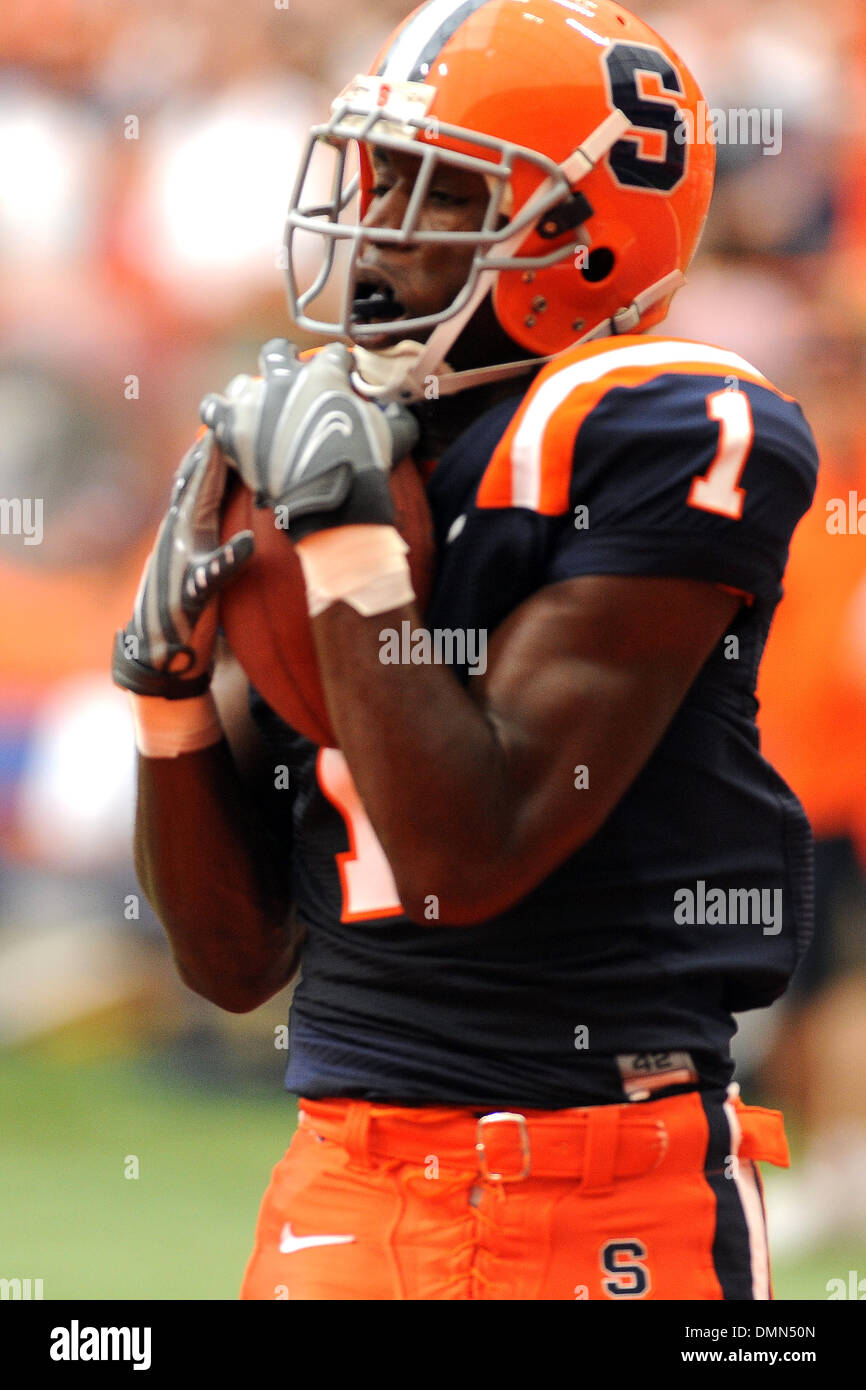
[(264, 611)]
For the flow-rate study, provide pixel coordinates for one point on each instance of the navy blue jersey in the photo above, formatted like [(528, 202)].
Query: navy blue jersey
[(620, 972)]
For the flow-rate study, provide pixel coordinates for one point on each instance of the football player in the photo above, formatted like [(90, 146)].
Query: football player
[(528, 895)]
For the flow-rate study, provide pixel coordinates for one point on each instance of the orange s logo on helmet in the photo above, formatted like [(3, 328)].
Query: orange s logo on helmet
[(586, 119)]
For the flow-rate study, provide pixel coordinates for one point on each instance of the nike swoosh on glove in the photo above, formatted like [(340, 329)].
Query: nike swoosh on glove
[(307, 444)]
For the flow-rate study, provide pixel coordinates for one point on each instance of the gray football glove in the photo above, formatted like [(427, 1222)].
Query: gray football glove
[(307, 444), (168, 646)]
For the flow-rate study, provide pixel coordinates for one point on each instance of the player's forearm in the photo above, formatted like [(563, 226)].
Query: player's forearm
[(207, 873), (439, 798), (478, 807)]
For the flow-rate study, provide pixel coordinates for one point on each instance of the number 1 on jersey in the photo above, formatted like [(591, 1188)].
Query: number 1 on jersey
[(368, 885), (718, 490)]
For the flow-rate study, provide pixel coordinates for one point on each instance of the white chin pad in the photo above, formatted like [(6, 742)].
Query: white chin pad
[(377, 373)]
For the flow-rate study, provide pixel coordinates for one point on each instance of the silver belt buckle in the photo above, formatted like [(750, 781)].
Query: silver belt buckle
[(496, 1118)]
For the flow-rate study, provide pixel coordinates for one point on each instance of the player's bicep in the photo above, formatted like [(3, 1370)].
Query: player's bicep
[(587, 674)]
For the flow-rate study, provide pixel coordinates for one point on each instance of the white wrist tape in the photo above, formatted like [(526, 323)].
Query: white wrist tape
[(167, 728), (365, 566)]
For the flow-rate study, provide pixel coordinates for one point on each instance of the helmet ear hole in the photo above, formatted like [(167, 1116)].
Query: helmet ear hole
[(599, 264)]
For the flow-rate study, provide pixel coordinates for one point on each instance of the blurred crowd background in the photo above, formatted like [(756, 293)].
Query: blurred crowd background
[(146, 156)]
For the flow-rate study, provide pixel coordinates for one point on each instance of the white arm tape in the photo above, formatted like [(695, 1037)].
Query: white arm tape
[(365, 566), (167, 728)]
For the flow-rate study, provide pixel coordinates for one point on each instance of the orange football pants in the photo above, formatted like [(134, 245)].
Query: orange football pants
[(654, 1200)]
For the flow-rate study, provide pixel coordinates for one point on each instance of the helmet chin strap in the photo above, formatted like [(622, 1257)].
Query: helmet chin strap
[(627, 319), (407, 371)]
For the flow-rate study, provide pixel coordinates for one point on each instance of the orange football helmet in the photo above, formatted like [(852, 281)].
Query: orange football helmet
[(584, 123)]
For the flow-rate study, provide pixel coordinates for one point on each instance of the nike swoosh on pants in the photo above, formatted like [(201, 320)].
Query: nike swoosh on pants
[(289, 1242)]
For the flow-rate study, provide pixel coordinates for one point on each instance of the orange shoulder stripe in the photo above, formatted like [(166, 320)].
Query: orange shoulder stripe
[(532, 463)]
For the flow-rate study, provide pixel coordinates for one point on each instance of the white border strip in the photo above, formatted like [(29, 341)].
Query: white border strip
[(753, 1210), (415, 37)]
